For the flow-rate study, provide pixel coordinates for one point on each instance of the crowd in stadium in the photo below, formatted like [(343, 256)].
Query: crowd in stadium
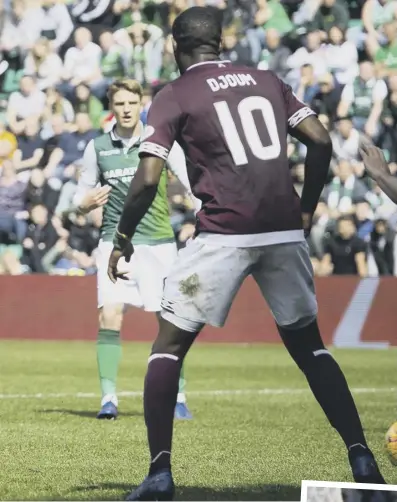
[(57, 59)]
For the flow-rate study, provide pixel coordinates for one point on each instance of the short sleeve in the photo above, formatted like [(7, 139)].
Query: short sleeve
[(348, 94), (360, 246), (380, 91), (295, 108), (162, 125)]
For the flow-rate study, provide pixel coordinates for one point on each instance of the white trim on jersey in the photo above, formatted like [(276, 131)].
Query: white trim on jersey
[(300, 115), (219, 62), (154, 149)]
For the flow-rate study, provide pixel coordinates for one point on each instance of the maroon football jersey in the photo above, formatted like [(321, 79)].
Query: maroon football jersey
[(232, 123)]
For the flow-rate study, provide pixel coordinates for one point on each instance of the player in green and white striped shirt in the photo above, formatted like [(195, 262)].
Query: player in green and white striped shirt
[(110, 162)]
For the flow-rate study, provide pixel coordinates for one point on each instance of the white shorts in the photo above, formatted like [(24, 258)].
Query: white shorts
[(148, 267), (204, 280)]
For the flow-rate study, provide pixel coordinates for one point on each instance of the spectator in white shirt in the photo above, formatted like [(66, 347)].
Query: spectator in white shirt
[(56, 23), (346, 141), (20, 28), (313, 53), (44, 64), (82, 63), (29, 101), (341, 56)]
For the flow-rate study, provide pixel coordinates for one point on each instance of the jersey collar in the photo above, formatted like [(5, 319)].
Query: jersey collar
[(115, 138), (218, 62)]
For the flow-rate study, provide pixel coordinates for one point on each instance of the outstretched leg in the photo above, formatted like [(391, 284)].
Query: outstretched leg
[(285, 276), (329, 386)]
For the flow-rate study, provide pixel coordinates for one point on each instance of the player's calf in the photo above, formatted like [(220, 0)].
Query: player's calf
[(161, 389), (108, 358)]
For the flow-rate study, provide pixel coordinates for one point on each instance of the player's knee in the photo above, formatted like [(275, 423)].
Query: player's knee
[(173, 340), (111, 317), (303, 341), (300, 323)]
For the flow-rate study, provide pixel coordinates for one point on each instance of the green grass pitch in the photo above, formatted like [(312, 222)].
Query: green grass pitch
[(256, 444)]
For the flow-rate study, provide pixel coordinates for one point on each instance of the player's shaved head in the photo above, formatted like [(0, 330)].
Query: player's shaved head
[(197, 35)]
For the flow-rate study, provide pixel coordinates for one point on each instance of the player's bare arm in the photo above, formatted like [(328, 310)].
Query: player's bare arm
[(140, 197), (318, 157), (94, 198), (378, 169)]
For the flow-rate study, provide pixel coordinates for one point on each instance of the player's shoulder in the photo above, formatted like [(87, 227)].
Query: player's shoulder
[(101, 144), (166, 92)]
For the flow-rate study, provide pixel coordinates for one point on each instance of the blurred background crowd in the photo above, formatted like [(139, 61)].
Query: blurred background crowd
[(57, 58)]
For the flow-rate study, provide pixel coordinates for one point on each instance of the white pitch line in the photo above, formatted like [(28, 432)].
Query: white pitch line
[(233, 392)]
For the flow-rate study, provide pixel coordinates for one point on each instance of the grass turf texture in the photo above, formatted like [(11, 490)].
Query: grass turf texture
[(238, 447)]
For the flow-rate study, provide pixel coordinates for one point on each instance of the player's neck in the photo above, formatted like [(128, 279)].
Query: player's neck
[(129, 132), (200, 59)]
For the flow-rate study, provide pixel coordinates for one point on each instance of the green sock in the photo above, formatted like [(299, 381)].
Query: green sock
[(182, 385), (108, 357)]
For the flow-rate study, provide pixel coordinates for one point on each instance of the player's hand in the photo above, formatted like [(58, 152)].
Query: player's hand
[(97, 197), (307, 220), (374, 161), (117, 253)]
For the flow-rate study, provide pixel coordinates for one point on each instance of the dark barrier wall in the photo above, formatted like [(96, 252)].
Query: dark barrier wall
[(353, 312)]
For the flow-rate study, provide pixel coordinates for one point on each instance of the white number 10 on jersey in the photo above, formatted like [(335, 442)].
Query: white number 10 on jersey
[(233, 140)]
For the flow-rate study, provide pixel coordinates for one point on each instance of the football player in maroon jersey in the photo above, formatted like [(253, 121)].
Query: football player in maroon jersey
[(232, 123)]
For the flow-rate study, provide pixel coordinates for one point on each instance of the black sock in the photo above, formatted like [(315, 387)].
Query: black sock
[(326, 381), (161, 390)]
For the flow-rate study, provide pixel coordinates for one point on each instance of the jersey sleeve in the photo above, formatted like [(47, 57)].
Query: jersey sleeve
[(295, 108), (162, 125), (177, 165)]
